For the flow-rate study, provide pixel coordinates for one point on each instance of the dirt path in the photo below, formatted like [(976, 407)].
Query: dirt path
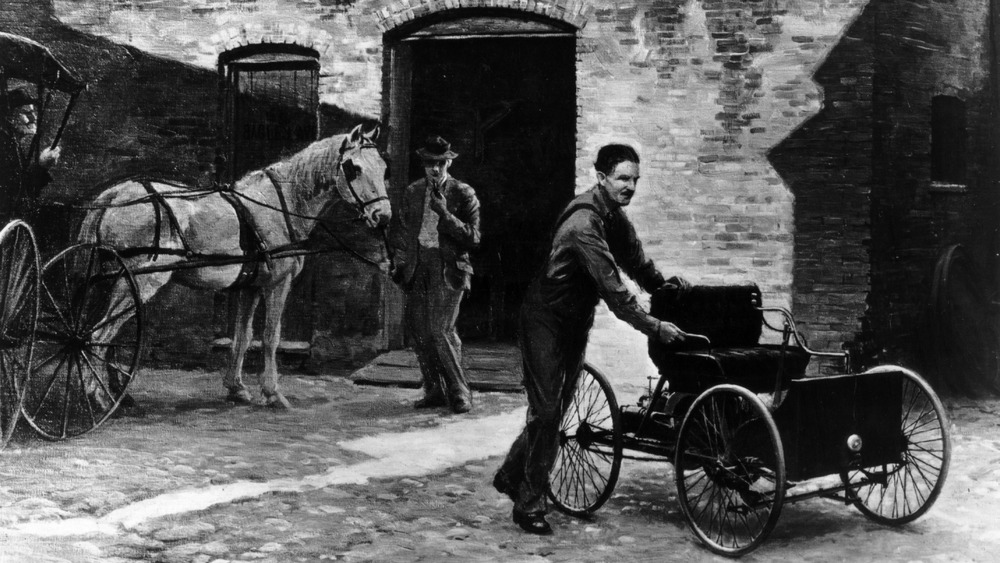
[(355, 474)]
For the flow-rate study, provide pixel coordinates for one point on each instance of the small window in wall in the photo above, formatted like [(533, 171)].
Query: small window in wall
[(270, 105), (948, 141)]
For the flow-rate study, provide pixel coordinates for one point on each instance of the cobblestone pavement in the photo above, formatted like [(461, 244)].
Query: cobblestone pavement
[(197, 480)]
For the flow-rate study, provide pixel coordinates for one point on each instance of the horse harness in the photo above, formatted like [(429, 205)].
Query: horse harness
[(285, 212), (251, 242)]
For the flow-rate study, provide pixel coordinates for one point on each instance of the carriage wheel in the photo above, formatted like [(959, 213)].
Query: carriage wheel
[(729, 467), (19, 269), (82, 365), (898, 493), (590, 447)]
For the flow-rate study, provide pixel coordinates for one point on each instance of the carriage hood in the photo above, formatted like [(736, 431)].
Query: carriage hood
[(29, 60)]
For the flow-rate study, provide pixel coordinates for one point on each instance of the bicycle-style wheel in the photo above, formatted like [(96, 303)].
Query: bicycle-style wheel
[(19, 272), (590, 447), (88, 344), (729, 468), (898, 493)]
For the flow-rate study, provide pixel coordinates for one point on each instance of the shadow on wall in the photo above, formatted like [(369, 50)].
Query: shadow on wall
[(826, 163), (869, 227)]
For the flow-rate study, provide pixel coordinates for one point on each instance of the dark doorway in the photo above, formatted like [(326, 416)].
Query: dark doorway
[(508, 106)]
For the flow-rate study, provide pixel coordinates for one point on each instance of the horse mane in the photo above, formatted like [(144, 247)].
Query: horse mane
[(314, 166)]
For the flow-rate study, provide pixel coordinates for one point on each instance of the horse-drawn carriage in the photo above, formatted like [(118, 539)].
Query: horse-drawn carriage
[(71, 330), (24, 64), (747, 431)]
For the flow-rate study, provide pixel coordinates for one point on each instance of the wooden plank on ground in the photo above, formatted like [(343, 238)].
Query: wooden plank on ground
[(490, 367)]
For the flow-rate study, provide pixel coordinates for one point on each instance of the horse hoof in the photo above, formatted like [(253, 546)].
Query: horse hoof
[(278, 401), (239, 396)]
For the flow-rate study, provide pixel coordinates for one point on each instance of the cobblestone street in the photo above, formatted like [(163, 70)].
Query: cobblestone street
[(336, 479)]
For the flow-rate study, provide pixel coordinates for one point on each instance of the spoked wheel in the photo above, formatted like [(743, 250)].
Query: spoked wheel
[(898, 493), (729, 467), (19, 271), (88, 344), (590, 447)]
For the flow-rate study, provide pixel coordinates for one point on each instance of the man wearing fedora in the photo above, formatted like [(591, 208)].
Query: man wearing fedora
[(22, 177), (436, 226)]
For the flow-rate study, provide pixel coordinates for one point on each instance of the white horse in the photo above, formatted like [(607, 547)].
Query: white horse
[(280, 204)]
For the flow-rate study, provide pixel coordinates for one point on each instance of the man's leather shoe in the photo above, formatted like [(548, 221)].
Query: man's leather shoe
[(461, 405), (430, 402), (532, 522)]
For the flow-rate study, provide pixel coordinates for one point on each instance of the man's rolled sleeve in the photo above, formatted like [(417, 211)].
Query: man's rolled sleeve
[(596, 258)]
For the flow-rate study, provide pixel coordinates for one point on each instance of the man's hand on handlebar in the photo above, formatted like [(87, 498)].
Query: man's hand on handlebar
[(677, 282), (669, 334)]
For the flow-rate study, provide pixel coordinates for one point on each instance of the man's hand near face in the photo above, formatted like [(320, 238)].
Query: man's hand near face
[(437, 202)]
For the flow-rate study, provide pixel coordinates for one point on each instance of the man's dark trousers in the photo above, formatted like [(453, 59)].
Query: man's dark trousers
[(431, 312), (552, 350)]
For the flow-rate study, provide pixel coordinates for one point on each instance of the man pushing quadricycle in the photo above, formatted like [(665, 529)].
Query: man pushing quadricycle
[(594, 242)]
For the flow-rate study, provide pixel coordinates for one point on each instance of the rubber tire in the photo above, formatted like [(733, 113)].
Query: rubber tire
[(930, 456), (727, 444), (590, 447)]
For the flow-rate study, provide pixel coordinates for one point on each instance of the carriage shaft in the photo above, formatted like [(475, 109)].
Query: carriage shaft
[(213, 261)]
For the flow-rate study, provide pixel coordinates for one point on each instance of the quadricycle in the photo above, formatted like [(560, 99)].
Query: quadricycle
[(747, 430)]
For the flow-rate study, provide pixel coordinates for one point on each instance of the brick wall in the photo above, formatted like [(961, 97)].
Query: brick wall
[(914, 219), (703, 89), (870, 223), (827, 164)]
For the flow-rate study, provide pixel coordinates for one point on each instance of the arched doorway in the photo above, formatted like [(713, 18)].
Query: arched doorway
[(500, 85)]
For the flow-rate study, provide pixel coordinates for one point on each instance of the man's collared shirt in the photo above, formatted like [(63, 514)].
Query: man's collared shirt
[(583, 265), (428, 236)]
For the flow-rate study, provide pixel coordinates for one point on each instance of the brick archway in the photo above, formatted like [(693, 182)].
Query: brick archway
[(253, 34), (401, 12)]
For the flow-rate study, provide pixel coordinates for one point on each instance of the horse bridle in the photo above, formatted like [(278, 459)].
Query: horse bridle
[(360, 204)]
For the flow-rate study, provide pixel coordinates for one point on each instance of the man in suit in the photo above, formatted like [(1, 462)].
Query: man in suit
[(436, 226), (21, 176)]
